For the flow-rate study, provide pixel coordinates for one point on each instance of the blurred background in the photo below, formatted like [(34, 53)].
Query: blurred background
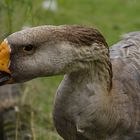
[(112, 17)]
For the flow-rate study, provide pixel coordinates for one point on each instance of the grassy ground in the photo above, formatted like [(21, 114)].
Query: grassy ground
[(111, 17)]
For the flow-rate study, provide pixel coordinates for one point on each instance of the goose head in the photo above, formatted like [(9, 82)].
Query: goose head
[(50, 50)]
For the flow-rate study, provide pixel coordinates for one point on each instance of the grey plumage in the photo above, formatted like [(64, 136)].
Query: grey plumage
[(14, 117), (125, 56), (98, 98)]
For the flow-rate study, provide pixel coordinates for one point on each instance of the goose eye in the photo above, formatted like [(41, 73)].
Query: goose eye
[(28, 48)]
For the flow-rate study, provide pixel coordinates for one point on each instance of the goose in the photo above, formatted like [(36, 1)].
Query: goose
[(98, 98), (8, 93), (11, 126)]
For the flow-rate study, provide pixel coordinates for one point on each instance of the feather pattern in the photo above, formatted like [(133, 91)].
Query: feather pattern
[(125, 59)]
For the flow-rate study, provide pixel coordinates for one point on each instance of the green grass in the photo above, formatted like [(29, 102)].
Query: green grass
[(111, 17)]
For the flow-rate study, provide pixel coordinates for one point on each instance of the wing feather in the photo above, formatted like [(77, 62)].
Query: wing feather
[(128, 47)]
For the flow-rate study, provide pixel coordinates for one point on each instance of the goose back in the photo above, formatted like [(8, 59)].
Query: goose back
[(125, 58)]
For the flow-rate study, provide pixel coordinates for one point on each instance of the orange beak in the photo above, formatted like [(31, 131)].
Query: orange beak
[(5, 56), (5, 63)]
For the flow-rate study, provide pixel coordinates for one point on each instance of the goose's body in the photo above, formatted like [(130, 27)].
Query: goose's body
[(77, 110), (10, 108), (98, 98), (8, 95)]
